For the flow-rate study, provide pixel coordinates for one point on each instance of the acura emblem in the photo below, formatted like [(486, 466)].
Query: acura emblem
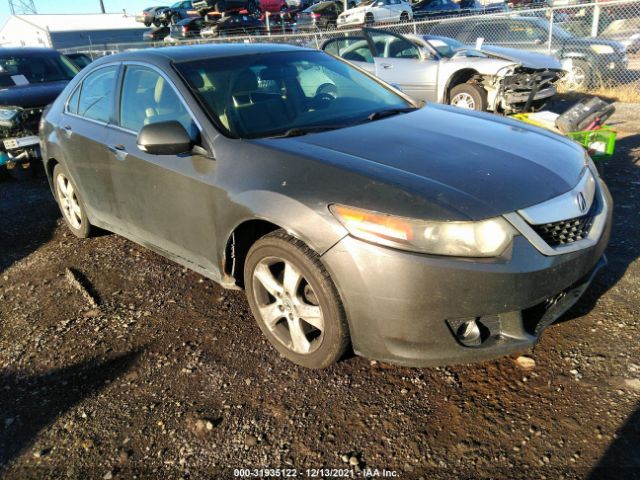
[(582, 202)]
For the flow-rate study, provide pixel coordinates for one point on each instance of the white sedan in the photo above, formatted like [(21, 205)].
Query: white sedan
[(376, 11)]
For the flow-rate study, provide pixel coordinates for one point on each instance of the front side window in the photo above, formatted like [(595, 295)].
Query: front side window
[(270, 94), (390, 46), (147, 97), (96, 94)]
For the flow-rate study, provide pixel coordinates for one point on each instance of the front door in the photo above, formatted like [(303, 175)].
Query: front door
[(164, 200), (400, 62)]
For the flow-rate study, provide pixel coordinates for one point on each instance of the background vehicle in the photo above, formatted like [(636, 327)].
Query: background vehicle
[(30, 79), (322, 16), (222, 6), (593, 60), (267, 147), (278, 22), (443, 70), (234, 25), (176, 12), (372, 11), (273, 5), (186, 29), (148, 16), (80, 60), (156, 34), (434, 8)]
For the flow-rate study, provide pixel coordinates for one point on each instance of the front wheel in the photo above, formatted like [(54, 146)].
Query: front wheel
[(404, 17), (470, 96), (294, 301), (70, 204), (580, 76), (368, 19)]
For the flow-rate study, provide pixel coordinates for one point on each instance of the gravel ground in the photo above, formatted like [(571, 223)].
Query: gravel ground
[(168, 376)]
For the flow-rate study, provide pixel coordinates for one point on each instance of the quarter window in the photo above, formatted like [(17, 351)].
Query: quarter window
[(96, 94), (147, 97), (72, 104)]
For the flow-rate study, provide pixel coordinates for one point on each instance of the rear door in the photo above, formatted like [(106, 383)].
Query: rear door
[(400, 62), (82, 130), (164, 200)]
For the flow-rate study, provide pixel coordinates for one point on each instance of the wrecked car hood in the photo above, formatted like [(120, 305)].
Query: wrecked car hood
[(473, 163), (521, 57)]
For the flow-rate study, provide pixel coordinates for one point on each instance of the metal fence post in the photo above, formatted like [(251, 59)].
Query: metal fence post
[(550, 39), (595, 21)]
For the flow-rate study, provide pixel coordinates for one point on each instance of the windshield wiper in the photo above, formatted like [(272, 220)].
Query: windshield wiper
[(389, 112), (299, 131)]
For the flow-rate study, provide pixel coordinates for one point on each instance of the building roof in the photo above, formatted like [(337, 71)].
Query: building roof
[(81, 22)]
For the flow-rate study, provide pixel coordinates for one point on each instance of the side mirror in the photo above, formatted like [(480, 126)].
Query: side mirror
[(164, 138)]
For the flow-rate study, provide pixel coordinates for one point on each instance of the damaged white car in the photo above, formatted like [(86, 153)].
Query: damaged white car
[(440, 69)]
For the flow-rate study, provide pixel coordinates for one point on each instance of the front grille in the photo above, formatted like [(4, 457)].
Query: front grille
[(565, 232)]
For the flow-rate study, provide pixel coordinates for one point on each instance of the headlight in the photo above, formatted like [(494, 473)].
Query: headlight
[(602, 49), (487, 238), (8, 117)]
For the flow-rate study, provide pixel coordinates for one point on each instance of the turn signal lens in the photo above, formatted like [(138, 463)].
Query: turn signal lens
[(487, 238)]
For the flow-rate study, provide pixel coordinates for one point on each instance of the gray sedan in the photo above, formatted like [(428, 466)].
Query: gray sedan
[(349, 215)]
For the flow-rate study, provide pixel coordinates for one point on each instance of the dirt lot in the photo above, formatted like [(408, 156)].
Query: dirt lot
[(169, 376)]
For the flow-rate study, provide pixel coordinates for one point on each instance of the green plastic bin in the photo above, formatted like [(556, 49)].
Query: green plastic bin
[(599, 143)]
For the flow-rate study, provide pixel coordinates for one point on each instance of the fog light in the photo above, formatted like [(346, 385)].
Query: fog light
[(469, 333)]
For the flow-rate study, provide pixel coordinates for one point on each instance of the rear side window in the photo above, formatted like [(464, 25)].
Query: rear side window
[(96, 94), (72, 104)]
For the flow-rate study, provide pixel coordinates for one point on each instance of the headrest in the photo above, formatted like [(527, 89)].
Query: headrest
[(196, 80)]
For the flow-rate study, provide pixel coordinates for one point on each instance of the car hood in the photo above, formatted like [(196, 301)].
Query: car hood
[(474, 164), (521, 57), (32, 95)]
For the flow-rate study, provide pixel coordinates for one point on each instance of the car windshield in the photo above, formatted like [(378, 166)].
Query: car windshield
[(446, 47), (22, 69), (275, 94)]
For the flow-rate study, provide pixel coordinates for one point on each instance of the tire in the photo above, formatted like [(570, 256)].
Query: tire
[(147, 24), (220, 6), (581, 75), (404, 17), (313, 346), (369, 19), (157, 23), (77, 222), (473, 94)]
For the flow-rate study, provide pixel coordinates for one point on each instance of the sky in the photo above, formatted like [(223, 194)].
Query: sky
[(80, 6)]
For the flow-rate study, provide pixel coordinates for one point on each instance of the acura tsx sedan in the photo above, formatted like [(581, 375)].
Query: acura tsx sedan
[(351, 217)]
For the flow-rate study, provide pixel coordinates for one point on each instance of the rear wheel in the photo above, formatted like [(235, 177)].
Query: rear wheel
[(470, 96), (368, 19), (70, 204), (404, 17), (294, 301)]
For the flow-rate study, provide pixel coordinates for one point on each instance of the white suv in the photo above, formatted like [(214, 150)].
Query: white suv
[(373, 11)]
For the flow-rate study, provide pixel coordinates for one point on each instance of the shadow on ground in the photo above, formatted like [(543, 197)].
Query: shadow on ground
[(622, 458), (30, 403)]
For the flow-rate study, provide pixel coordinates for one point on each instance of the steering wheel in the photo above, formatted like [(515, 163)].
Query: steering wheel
[(322, 100)]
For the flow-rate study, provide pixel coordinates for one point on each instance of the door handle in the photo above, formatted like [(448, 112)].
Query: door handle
[(386, 66), (119, 151), (67, 128)]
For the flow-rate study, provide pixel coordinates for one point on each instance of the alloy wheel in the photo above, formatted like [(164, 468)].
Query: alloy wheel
[(577, 77), (288, 305), (463, 100), (69, 201)]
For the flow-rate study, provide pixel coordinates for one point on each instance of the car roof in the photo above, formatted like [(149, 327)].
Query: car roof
[(185, 53), (28, 51)]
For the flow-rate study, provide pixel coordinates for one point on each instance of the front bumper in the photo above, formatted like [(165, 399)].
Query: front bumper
[(402, 306)]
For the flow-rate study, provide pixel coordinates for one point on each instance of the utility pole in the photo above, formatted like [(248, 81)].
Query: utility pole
[(102, 6), (20, 7)]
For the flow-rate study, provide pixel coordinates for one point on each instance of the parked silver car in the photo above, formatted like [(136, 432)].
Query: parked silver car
[(443, 70), (373, 11)]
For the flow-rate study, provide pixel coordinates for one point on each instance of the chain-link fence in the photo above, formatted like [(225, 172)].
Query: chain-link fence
[(598, 43)]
